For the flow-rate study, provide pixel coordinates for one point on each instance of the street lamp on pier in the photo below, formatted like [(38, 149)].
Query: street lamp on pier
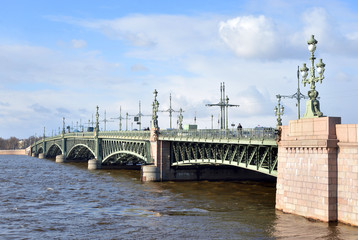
[(180, 119), (298, 95), (279, 111), (155, 109), (312, 105)]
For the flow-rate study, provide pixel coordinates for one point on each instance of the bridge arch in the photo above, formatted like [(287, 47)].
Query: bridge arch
[(124, 152), (80, 152), (260, 158), (40, 150), (54, 150), (126, 148)]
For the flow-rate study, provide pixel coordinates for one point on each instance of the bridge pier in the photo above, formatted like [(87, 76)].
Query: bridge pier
[(94, 164), (150, 173), (33, 154), (307, 168), (60, 158), (41, 156)]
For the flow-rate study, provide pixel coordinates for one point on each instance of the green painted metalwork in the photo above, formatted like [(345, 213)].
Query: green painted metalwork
[(297, 95), (83, 145), (224, 107), (265, 136), (155, 106), (254, 149), (180, 119), (312, 105), (279, 109), (262, 158)]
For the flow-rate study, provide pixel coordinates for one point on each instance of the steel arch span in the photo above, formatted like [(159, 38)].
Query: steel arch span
[(259, 158), (54, 150), (81, 152), (139, 149)]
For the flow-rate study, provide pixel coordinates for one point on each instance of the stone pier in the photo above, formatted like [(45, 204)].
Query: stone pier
[(307, 168), (347, 201), (318, 170), (60, 158), (94, 164)]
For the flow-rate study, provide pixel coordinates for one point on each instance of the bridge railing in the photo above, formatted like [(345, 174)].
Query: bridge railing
[(230, 134), (126, 134), (107, 134), (79, 134), (245, 133)]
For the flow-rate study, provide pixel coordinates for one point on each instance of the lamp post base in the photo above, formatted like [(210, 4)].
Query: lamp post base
[(312, 109)]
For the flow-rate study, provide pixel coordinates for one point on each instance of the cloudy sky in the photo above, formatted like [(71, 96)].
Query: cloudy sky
[(63, 58)]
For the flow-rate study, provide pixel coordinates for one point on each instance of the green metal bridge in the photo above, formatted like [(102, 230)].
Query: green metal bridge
[(254, 149)]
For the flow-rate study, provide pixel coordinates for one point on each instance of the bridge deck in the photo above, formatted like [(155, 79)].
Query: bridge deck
[(254, 149)]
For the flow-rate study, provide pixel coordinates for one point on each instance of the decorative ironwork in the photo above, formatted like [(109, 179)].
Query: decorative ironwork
[(155, 110), (312, 106), (262, 158), (279, 111), (255, 149), (224, 107), (180, 119)]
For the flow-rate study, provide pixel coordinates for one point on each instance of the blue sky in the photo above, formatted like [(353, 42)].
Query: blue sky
[(62, 58)]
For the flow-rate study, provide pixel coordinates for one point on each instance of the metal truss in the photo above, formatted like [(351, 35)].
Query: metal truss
[(139, 149), (256, 152), (261, 158), (83, 148)]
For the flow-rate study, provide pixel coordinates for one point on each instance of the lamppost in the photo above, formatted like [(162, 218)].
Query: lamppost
[(97, 122), (170, 111), (298, 95), (224, 107), (279, 111), (312, 105), (180, 119), (155, 106), (120, 118), (63, 127), (212, 121)]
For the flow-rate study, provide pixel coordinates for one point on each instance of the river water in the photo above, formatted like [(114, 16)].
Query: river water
[(41, 199)]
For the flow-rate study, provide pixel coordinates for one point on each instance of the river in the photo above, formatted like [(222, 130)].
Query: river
[(41, 199)]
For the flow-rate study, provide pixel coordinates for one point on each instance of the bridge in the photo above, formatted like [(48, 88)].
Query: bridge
[(314, 159), (253, 149), (169, 154)]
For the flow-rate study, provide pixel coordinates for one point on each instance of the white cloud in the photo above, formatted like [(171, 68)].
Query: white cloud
[(78, 43), (159, 36), (250, 36), (139, 68)]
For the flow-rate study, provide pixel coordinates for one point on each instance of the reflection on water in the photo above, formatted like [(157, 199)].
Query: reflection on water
[(42, 199)]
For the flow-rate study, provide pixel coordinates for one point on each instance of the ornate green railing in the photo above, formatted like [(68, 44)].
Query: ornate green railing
[(246, 135), (243, 135)]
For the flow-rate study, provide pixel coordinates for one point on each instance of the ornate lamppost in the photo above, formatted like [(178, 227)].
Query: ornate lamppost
[(312, 105), (155, 106), (180, 119), (97, 122), (279, 111), (63, 126)]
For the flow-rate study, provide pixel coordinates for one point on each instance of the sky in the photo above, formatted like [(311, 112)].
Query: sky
[(63, 58)]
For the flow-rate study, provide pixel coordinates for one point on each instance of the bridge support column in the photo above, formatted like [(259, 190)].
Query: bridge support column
[(60, 158), (33, 154), (94, 164), (307, 168), (41, 156), (150, 173)]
